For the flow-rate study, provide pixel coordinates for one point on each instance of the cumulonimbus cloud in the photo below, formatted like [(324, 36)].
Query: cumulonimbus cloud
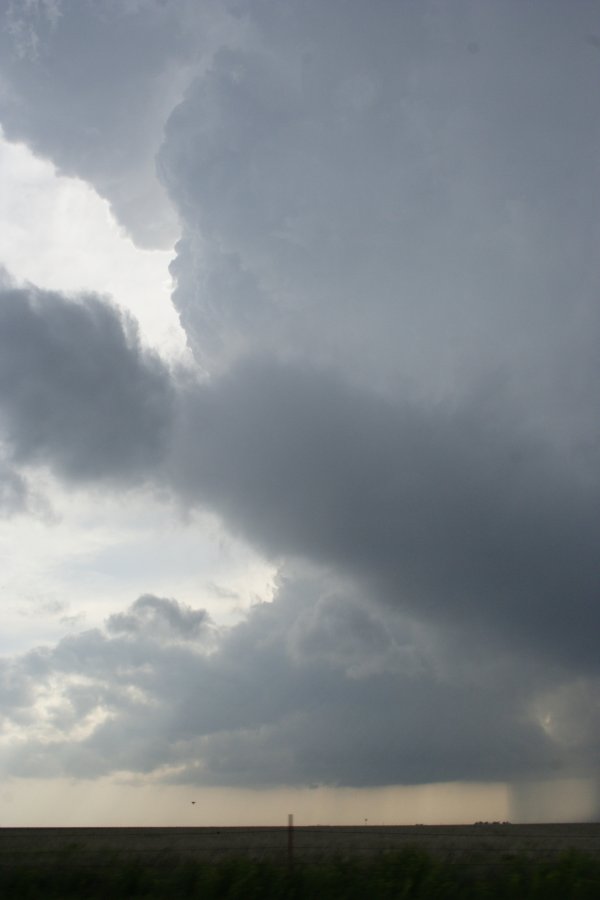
[(387, 272)]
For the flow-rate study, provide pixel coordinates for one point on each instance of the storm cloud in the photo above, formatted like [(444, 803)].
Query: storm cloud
[(387, 275), (73, 73), (366, 193), (77, 392), (456, 514), (315, 687)]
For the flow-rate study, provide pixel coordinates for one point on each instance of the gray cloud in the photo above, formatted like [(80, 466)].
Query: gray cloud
[(14, 492), (387, 269), (365, 201), (89, 86), (77, 392), (459, 514), (275, 701), (456, 515), (159, 615), (20, 496), (366, 193)]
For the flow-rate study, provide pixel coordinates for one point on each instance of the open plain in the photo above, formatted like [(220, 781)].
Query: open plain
[(461, 843)]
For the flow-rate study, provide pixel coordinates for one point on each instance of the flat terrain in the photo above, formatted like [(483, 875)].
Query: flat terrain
[(149, 845)]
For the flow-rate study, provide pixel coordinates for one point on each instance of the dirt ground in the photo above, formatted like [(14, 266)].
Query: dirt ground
[(457, 842)]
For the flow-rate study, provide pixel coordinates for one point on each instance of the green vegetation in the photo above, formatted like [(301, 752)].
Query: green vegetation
[(409, 874)]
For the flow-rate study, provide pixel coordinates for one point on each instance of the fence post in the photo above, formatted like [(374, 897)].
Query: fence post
[(290, 840)]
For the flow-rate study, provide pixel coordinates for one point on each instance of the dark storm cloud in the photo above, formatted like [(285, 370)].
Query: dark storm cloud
[(369, 202), (275, 701), (388, 270), (454, 514), (358, 189), (77, 392), (458, 514)]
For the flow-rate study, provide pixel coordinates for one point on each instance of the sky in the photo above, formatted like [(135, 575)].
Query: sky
[(299, 436)]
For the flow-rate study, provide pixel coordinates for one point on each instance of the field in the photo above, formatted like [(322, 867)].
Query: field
[(524, 861), (454, 842)]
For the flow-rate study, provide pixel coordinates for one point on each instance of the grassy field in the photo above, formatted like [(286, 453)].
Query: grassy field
[(484, 861), (448, 842)]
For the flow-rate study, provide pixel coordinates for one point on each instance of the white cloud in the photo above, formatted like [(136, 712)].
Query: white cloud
[(58, 234)]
